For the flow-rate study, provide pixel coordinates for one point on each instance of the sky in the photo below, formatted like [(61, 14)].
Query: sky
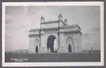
[(20, 19)]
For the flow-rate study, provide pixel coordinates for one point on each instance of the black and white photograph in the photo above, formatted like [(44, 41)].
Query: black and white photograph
[(58, 34)]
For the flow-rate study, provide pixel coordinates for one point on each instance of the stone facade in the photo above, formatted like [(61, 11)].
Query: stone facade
[(55, 36)]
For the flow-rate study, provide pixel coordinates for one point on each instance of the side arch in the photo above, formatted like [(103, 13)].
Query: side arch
[(69, 44), (36, 45)]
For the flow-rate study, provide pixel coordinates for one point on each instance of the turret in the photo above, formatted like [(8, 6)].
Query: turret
[(42, 19), (60, 16), (65, 21)]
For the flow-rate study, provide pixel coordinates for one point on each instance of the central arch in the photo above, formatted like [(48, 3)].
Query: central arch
[(50, 43)]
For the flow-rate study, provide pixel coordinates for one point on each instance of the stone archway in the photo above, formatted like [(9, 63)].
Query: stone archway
[(69, 44), (50, 43)]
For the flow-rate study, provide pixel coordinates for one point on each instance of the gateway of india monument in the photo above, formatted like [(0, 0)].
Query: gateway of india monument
[(55, 37)]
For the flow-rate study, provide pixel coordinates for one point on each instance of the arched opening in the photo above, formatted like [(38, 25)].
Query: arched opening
[(50, 43), (36, 49), (69, 44), (69, 48)]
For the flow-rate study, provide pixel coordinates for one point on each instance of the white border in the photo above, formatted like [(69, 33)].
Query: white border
[(34, 64)]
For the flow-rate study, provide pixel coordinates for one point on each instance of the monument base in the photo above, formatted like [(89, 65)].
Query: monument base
[(62, 50), (42, 50)]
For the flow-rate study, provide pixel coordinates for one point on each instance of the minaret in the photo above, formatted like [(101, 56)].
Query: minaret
[(41, 35), (60, 17), (42, 19), (60, 34), (65, 21)]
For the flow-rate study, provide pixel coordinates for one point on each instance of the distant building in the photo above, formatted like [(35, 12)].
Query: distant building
[(55, 36)]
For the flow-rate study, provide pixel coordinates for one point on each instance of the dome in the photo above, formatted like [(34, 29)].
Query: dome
[(60, 15), (65, 20), (42, 18), (42, 32)]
